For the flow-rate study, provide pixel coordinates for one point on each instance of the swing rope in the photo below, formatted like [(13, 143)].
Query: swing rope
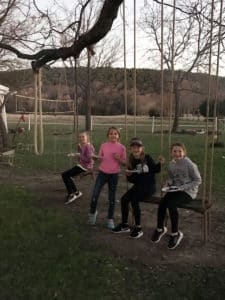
[(125, 70), (38, 130), (162, 89), (215, 129), (135, 73), (207, 116)]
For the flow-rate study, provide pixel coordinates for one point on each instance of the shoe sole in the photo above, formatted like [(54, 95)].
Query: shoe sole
[(160, 237), (122, 231), (70, 201), (178, 241), (138, 236)]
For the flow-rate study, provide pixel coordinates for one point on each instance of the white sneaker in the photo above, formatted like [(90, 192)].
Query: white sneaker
[(73, 197)]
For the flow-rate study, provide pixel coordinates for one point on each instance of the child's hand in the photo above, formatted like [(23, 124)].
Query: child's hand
[(96, 157), (73, 154), (161, 159), (128, 172), (116, 156)]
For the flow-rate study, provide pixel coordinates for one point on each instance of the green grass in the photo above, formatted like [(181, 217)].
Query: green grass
[(46, 254), (59, 140)]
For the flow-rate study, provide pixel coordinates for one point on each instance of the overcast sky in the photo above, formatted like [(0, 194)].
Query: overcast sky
[(141, 43)]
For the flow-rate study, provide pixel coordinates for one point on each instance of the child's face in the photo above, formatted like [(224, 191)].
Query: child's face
[(136, 151), (113, 136), (83, 138), (177, 152)]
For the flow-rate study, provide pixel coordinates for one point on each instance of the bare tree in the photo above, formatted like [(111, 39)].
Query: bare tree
[(101, 26), (192, 41)]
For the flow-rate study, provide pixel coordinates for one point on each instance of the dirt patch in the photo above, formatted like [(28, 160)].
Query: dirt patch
[(192, 250)]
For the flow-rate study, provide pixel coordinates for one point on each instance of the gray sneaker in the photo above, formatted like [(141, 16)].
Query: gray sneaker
[(92, 218)]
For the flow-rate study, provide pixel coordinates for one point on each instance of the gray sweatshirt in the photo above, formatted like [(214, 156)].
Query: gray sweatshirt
[(184, 174)]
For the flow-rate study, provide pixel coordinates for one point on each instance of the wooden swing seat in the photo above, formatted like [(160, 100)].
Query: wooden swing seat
[(7, 157), (195, 205), (87, 173)]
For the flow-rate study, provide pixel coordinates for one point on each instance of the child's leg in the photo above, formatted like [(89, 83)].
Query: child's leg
[(67, 178), (125, 200), (136, 208), (112, 185), (161, 213), (99, 183), (174, 199)]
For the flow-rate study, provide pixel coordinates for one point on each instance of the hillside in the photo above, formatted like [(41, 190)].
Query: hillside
[(107, 89)]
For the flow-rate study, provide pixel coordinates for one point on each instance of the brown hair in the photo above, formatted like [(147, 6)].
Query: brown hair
[(179, 145), (113, 128)]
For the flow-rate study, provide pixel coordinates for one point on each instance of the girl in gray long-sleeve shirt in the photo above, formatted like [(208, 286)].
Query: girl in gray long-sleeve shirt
[(183, 183)]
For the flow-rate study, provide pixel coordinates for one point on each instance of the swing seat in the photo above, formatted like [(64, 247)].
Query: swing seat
[(195, 205), (87, 173), (7, 157)]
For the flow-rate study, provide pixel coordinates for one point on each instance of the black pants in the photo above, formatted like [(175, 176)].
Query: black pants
[(133, 196), (67, 178), (171, 201)]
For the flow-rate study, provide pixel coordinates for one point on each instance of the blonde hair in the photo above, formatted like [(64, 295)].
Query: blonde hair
[(87, 135)]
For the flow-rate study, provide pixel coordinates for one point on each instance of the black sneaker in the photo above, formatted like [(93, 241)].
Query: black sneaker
[(175, 240), (157, 235), (121, 228), (73, 197), (136, 233)]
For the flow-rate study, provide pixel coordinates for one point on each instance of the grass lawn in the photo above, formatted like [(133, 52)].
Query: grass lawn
[(46, 254)]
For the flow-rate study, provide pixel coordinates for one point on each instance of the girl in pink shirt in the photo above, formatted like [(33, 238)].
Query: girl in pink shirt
[(111, 154), (85, 155)]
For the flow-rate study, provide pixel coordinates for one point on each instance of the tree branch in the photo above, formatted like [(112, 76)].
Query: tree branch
[(102, 26)]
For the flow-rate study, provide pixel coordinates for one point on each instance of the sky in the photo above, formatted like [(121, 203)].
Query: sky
[(140, 53), (118, 24)]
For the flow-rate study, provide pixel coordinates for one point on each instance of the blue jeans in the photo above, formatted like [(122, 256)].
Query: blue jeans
[(101, 180)]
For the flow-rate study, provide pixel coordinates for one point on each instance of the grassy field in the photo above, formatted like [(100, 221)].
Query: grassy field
[(47, 254), (59, 140)]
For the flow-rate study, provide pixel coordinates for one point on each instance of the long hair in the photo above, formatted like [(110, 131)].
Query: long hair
[(132, 158)]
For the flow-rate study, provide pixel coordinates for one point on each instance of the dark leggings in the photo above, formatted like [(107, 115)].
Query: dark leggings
[(171, 202), (133, 196), (67, 178)]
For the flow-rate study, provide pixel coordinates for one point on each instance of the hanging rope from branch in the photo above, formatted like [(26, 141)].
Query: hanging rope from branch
[(38, 124)]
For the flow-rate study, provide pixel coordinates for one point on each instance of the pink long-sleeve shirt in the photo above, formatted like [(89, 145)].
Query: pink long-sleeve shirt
[(86, 153), (109, 164)]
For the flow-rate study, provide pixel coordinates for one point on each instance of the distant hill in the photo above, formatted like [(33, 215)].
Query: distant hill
[(107, 89)]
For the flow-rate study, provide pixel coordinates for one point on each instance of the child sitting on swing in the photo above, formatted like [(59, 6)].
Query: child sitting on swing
[(85, 155), (141, 172), (183, 183)]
